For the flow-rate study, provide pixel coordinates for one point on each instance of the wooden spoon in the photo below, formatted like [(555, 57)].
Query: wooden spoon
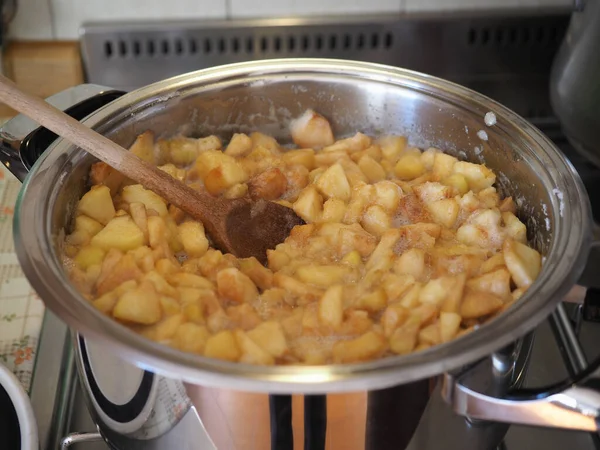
[(242, 226)]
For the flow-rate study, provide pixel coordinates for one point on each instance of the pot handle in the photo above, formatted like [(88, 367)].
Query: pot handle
[(572, 404), (22, 140)]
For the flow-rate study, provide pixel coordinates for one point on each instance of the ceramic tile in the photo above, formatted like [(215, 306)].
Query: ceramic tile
[(32, 21), (69, 15)]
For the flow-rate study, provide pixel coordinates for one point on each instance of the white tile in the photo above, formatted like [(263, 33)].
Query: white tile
[(32, 21), (437, 5), (69, 15), (286, 8)]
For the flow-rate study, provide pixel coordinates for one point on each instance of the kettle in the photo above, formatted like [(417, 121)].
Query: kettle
[(575, 80)]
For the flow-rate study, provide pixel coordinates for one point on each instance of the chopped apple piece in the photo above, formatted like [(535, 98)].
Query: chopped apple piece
[(309, 205), (444, 211), (409, 167), (311, 130), (496, 282), (97, 203), (223, 345), (239, 145), (190, 337), (334, 184), (394, 316), (222, 177), (411, 262), (136, 193), (259, 274), (87, 225), (523, 262), (193, 239), (331, 307), (477, 304), (322, 275), (89, 256), (392, 147), (235, 286), (404, 339), (449, 325), (269, 185), (143, 147), (120, 233), (270, 337), (140, 305), (368, 346)]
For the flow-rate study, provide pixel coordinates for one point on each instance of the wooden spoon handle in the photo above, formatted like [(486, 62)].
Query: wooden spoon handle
[(198, 204)]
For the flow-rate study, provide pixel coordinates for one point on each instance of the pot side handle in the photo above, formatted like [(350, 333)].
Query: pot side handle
[(572, 404), (22, 140)]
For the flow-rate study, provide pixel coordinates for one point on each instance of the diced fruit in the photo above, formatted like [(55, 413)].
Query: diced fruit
[(193, 238), (311, 130), (430, 334), (514, 227), (444, 211), (87, 225), (523, 262), (270, 337), (477, 304), (235, 286), (223, 345), (443, 165), (225, 175), (411, 262), (269, 185), (136, 193), (404, 339), (375, 220), (239, 145), (120, 233), (97, 203), (303, 157), (89, 256), (252, 353), (449, 325), (478, 176), (496, 282), (334, 184), (372, 302), (140, 305), (331, 307), (309, 205), (372, 169), (124, 270), (138, 214), (458, 181), (393, 317), (259, 274), (409, 167), (323, 276), (190, 337), (392, 147), (333, 210), (368, 346), (143, 147)]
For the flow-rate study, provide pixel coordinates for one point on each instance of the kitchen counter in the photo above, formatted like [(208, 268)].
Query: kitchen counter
[(21, 310)]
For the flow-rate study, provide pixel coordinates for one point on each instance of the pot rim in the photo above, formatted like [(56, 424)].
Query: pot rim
[(564, 264)]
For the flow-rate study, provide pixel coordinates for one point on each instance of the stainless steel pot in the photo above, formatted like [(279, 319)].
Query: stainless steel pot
[(375, 99)]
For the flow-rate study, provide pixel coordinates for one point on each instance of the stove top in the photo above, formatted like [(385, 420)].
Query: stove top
[(506, 57)]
